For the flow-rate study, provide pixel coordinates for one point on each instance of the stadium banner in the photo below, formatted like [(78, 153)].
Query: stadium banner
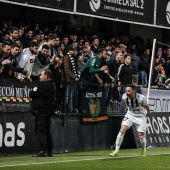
[(17, 134), (14, 96), (158, 124), (163, 13), (67, 5), (93, 106), (136, 10), (158, 129), (16, 121), (159, 100)]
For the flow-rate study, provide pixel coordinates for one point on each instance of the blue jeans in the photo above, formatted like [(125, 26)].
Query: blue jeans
[(143, 78), (71, 95)]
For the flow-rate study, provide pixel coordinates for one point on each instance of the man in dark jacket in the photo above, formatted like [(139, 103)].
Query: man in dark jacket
[(43, 100), (71, 78), (10, 52), (144, 68), (135, 61)]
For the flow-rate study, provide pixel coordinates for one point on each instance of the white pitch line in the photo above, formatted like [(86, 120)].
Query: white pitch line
[(92, 159)]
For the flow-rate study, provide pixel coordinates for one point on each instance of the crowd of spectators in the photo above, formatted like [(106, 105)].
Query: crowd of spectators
[(27, 48)]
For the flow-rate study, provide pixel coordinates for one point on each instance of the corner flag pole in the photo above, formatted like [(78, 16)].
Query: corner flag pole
[(151, 68)]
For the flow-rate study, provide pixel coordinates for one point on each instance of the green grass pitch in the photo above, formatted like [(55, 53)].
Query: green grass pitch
[(128, 159)]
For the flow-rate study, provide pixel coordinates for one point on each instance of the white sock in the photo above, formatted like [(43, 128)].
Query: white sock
[(119, 140), (143, 142)]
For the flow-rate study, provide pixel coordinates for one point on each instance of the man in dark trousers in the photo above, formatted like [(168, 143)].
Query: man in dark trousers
[(43, 100)]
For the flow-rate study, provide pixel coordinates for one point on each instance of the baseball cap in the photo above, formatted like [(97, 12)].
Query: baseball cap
[(70, 48)]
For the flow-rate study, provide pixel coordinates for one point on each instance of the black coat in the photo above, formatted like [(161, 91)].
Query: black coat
[(43, 97)]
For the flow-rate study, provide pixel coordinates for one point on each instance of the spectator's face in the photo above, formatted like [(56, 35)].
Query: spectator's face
[(22, 30), (104, 54), (123, 49), (148, 52), (159, 53), (81, 57), (42, 37), (52, 42), (18, 43), (7, 49), (6, 36), (159, 67), (15, 50), (1, 69), (60, 61), (38, 37), (30, 34), (128, 60), (96, 42), (73, 37), (20, 33), (34, 50), (75, 45), (43, 77), (45, 52), (57, 41), (119, 56), (62, 47), (86, 44), (65, 40), (168, 51), (81, 42), (117, 49), (15, 34)]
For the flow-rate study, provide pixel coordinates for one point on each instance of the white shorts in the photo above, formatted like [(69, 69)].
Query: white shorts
[(139, 122)]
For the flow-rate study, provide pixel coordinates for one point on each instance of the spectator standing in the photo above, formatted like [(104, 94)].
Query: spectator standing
[(56, 68), (95, 45), (144, 67), (123, 49), (28, 38), (14, 35), (6, 49), (42, 61), (71, 78), (61, 49), (92, 68), (157, 75), (113, 66), (81, 62), (26, 61), (125, 73), (51, 42), (12, 68), (124, 78), (135, 61), (88, 53), (43, 99)]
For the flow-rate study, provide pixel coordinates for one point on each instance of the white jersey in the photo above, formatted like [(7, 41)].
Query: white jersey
[(137, 106), (26, 61)]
